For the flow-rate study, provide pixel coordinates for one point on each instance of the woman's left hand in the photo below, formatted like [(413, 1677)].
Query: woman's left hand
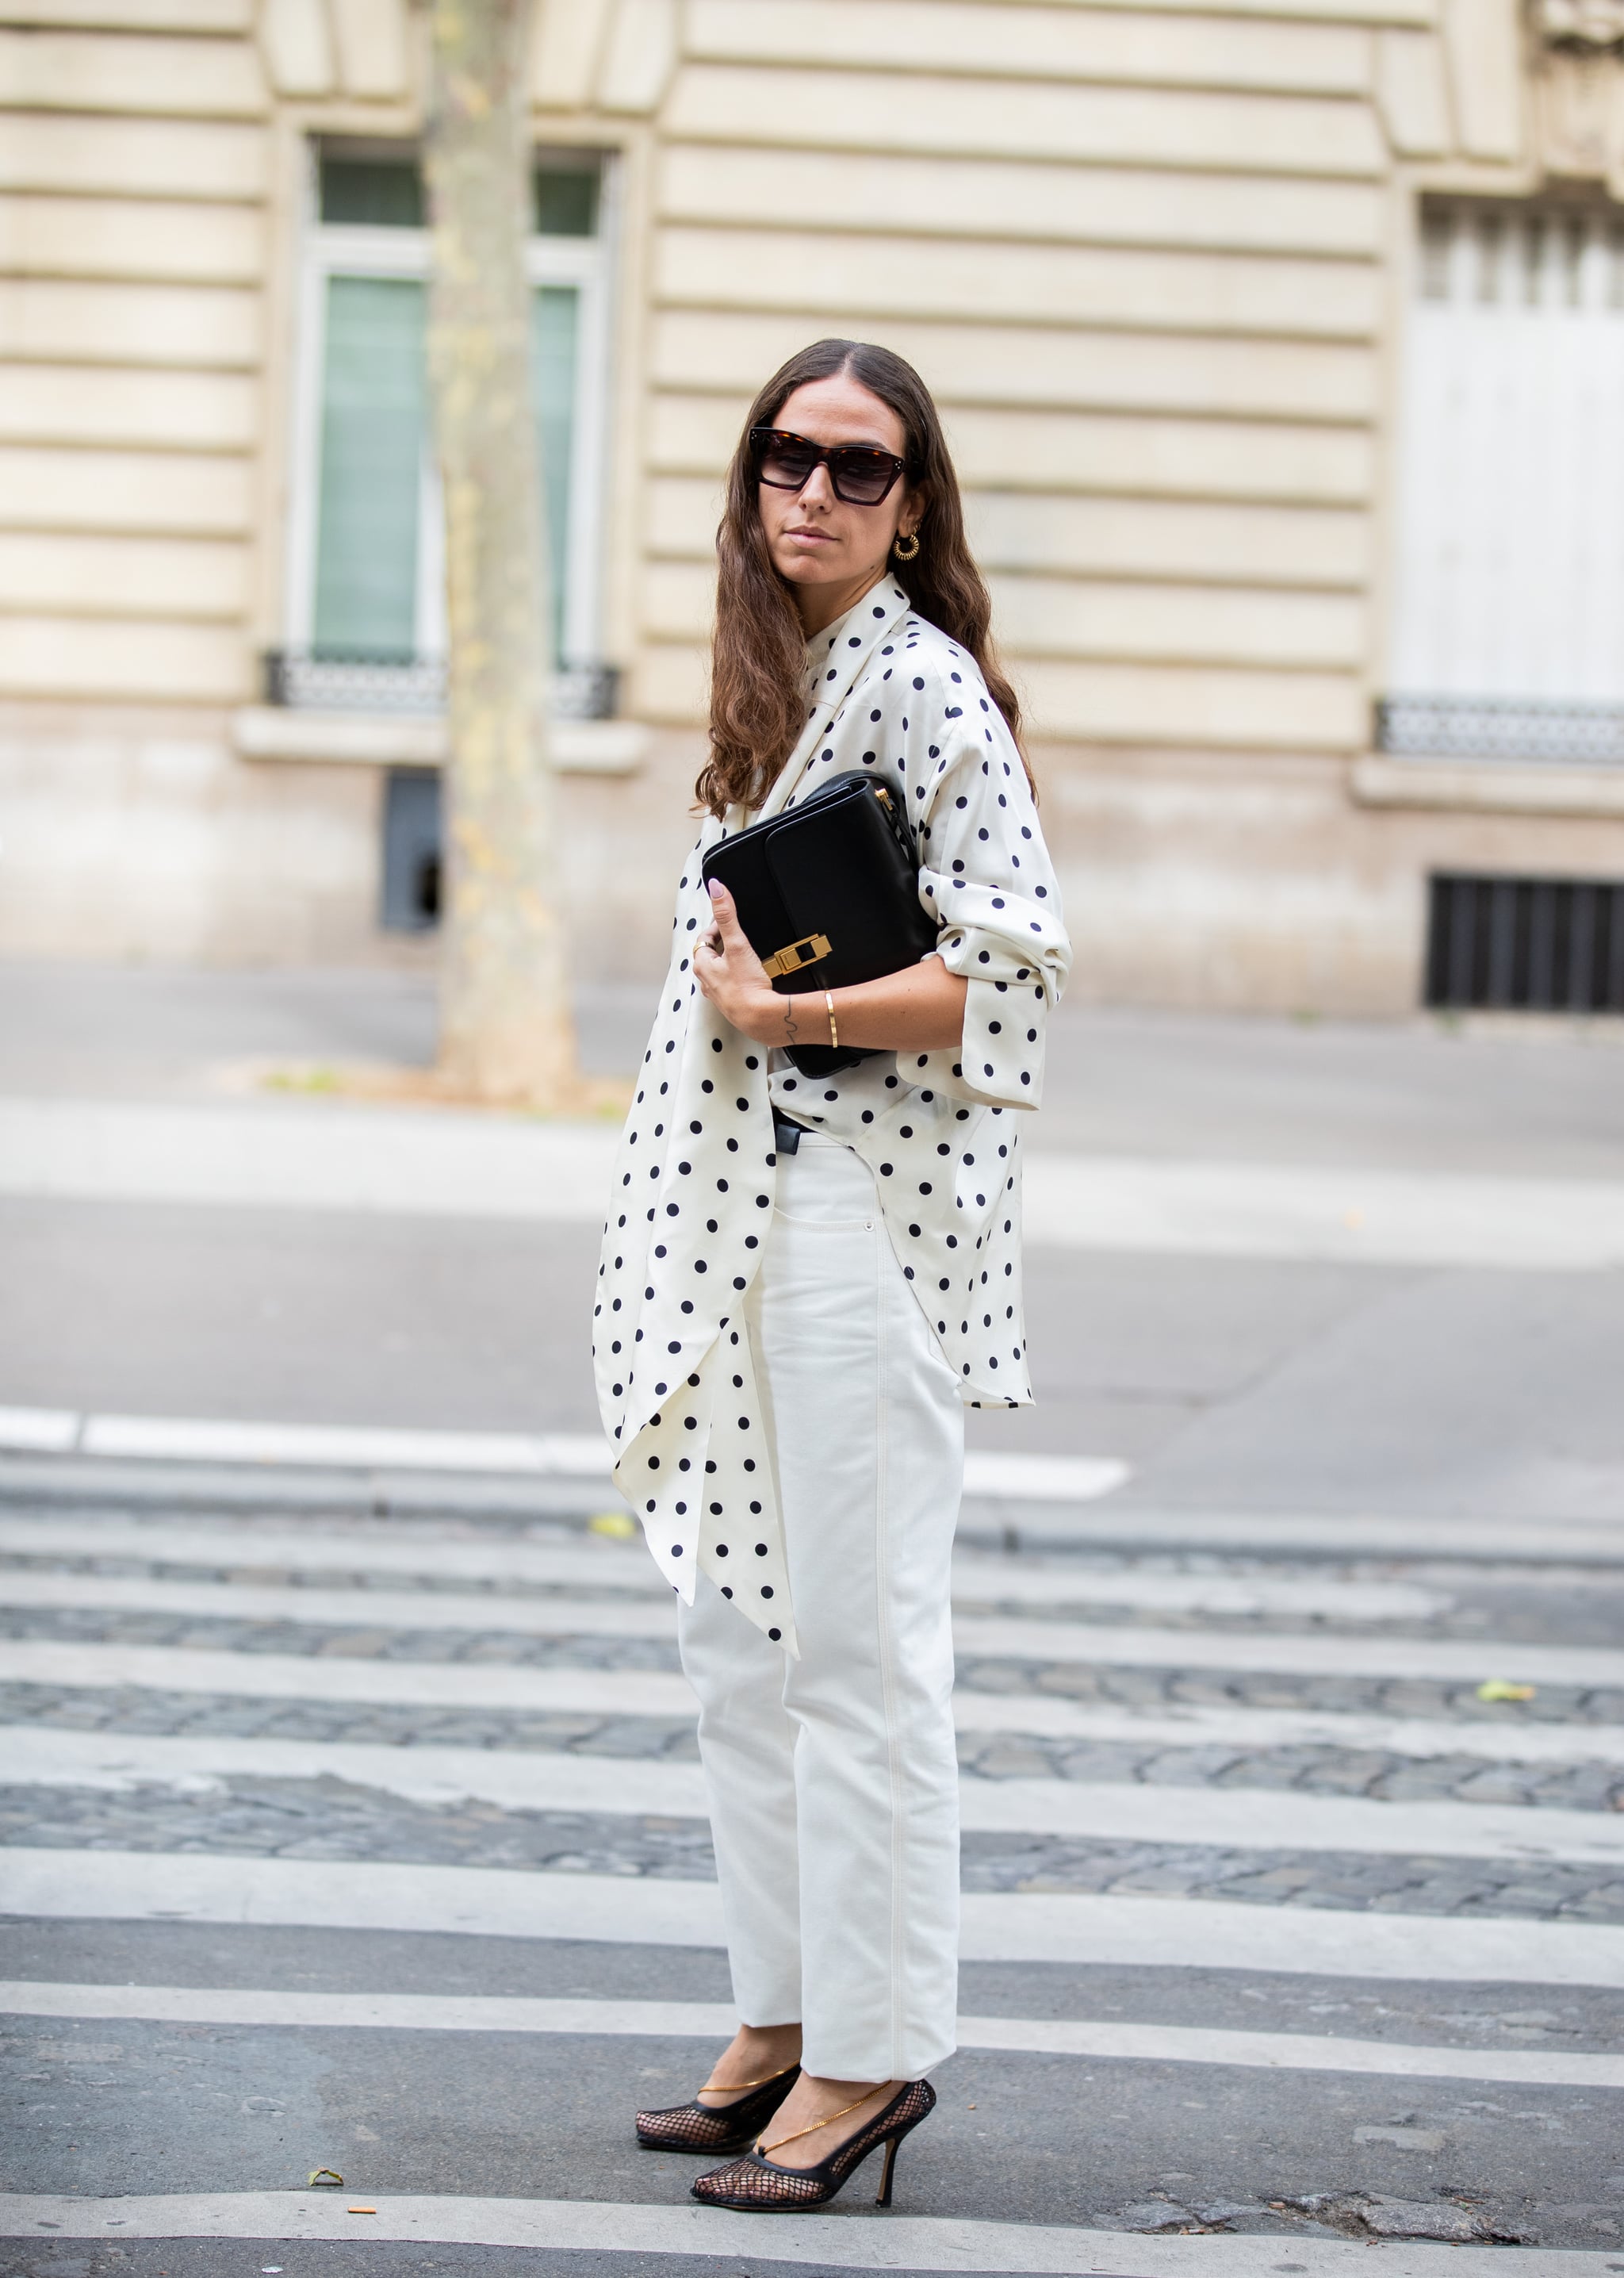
[(734, 978)]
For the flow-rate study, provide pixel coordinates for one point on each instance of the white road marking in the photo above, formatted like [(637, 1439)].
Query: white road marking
[(399, 2012), (38, 1431), (652, 1693), (1067, 1582), (295, 1676), (597, 1561), (901, 2241), (1498, 1739), (364, 1448), (435, 2013), (472, 1552), (246, 1600), (542, 1780), (213, 1440), (1449, 1660), (342, 1609), (1353, 1535), (601, 1562), (1041, 1478), (1270, 1819), (1035, 1926), (308, 1156), (995, 1636), (532, 1780)]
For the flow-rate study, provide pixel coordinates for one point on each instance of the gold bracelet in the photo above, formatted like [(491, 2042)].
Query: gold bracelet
[(829, 1002)]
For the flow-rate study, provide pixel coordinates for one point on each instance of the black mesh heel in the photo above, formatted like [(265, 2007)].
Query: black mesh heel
[(710, 2128), (757, 2186)]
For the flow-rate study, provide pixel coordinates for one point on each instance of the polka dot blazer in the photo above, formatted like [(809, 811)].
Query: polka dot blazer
[(694, 1179)]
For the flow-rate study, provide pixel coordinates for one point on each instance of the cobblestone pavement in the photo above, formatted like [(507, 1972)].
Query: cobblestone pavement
[(1577, 1786), (325, 1818), (1587, 1610), (1128, 1687)]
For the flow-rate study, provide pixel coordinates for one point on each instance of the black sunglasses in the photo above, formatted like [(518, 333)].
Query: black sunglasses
[(858, 474)]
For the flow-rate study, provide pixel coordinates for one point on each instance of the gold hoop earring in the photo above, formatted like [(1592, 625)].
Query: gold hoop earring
[(905, 548)]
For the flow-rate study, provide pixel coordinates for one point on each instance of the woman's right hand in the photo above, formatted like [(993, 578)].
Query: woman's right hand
[(733, 977)]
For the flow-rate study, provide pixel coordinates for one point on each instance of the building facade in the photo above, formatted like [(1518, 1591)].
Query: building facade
[(1281, 346)]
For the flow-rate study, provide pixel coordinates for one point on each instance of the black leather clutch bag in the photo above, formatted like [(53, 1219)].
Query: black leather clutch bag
[(829, 895)]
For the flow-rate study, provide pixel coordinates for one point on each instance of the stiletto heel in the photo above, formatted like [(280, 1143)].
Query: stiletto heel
[(757, 2185), (712, 2128)]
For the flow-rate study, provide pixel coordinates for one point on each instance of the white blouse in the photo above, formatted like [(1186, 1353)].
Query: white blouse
[(694, 1179)]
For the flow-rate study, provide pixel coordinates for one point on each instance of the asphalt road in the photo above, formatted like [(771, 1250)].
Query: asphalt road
[(401, 1871)]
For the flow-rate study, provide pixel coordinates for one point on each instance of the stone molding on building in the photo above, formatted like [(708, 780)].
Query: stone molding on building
[(272, 731), (1582, 24), (1579, 88), (1484, 787)]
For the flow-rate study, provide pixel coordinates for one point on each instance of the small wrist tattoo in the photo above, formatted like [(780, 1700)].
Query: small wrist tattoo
[(791, 1033)]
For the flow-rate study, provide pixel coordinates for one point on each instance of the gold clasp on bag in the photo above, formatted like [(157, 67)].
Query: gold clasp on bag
[(807, 950)]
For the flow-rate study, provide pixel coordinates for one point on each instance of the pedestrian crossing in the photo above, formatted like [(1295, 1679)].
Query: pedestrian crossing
[(605, 1565), (546, 1781), (330, 2013), (228, 1667), (917, 2243), (1039, 1927), (1002, 1637)]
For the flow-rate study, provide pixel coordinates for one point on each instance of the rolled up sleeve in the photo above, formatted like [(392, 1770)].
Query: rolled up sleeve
[(986, 878)]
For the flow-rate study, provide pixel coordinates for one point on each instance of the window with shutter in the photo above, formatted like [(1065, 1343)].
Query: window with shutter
[(366, 605), (1509, 589)]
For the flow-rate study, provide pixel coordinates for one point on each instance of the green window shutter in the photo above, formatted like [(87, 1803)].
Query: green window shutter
[(373, 422), (555, 313), (567, 200), (381, 193)]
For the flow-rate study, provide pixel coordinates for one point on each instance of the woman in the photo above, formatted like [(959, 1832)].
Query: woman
[(805, 1282)]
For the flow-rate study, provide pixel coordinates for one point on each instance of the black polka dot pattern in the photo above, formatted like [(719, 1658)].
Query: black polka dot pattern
[(697, 1172)]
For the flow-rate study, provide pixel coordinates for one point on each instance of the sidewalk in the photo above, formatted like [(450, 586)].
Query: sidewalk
[(1533, 1099), (1272, 1266)]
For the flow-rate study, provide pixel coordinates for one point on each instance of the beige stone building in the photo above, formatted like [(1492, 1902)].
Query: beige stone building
[(1281, 344)]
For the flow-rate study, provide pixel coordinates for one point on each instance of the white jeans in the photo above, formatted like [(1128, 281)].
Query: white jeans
[(833, 1780)]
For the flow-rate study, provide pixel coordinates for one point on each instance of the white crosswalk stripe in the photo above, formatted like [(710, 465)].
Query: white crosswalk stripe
[(593, 1561), (431, 2013), (641, 1692), (997, 1926), (602, 1564), (912, 2242), (1449, 1660), (293, 1677), (584, 1456), (1499, 1736), (1236, 1818), (338, 1608), (991, 1636)]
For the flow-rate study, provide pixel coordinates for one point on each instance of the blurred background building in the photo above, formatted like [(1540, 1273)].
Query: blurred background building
[(1281, 346)]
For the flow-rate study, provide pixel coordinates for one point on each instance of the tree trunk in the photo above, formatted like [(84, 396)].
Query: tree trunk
[(505, 1029)]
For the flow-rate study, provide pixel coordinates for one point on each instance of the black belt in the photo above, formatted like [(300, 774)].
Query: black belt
[(786, 1135)]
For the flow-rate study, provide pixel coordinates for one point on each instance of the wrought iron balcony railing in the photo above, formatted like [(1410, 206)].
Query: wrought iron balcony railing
[(1529, 733), (329, 680)]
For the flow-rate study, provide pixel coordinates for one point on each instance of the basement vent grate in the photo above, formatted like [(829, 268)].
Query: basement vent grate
[(1526, 944)]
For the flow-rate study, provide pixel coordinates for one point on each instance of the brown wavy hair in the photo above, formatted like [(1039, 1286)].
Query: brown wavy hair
[(759, 650)]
